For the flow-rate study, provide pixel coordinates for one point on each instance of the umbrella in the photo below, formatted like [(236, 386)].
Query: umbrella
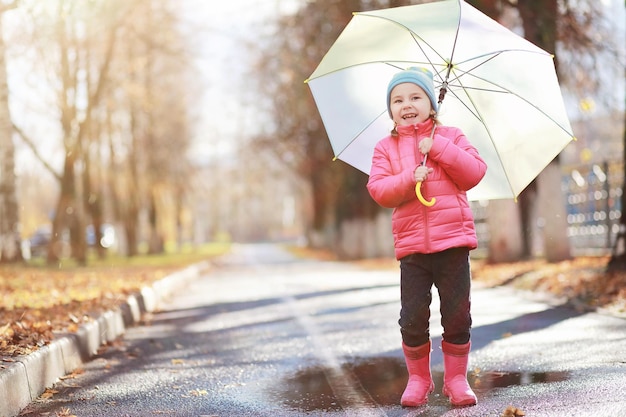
[(499, 88)]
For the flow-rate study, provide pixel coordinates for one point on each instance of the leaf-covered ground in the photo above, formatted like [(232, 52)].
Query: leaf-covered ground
[(37, 302), (582, 282)]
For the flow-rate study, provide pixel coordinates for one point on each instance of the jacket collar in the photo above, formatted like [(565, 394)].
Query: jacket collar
[(418, 128)]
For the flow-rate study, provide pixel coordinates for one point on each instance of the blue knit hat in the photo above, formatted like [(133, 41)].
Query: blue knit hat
[(416, 75)]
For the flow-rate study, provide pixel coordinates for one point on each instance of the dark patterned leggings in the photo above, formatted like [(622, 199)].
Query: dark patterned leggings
[(449, 271)]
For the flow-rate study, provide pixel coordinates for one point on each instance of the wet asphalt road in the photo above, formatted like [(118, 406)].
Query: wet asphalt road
[(265, 335)]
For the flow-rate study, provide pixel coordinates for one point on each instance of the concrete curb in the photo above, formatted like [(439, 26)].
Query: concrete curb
[(22, 381)]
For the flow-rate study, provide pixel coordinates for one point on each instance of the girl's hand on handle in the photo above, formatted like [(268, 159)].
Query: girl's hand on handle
[(425, 145), (421, 173)]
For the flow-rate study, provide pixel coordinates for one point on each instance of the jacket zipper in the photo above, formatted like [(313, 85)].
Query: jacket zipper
[(426, 231)]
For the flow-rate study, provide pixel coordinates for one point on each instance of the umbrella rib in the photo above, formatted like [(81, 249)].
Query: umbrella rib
[(356, 136), (418, 41), (456, 37), (476, 112), (493, 54), (505, 90), (308, 80), (489, 56)]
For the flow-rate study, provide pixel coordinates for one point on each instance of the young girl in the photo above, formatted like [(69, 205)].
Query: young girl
[(432, 243)]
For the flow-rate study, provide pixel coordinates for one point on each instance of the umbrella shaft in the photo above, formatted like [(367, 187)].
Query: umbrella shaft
[(442, 91)]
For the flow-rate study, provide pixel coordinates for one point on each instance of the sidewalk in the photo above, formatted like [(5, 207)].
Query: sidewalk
[(25, 379)]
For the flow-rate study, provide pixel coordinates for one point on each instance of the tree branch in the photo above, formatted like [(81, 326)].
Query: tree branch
[(8, 6), (33, 148)]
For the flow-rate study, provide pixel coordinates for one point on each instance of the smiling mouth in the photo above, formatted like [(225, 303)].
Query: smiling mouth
[(409, 116)]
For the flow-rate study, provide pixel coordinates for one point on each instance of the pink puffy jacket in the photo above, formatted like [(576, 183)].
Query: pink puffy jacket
[(457, 168)]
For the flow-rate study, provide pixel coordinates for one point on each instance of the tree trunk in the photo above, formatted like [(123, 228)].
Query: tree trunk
[(64, 211), (553, 213), (131, 220), (539, 18), (322, 232), (10, 248), (155, 240), (505, 242), (92, 202)]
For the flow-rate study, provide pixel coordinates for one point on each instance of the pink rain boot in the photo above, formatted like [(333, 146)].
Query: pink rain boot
[(420, 380), (455, 385)]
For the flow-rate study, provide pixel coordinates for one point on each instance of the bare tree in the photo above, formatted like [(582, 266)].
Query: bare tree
[(298, 137), (121, 110), (157, 100), (79, 71)]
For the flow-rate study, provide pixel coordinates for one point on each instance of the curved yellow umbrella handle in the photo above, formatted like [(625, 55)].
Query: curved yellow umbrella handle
[(420, 197)]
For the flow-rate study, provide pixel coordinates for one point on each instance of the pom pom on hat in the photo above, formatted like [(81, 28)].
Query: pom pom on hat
[(416, 75)]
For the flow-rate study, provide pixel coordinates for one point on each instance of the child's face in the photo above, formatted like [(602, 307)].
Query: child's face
[(409, 104)]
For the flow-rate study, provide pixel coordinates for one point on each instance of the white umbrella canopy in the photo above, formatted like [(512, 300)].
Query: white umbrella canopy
[(502, 90)]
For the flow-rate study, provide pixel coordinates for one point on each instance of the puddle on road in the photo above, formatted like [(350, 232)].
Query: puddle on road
[(384, 379)]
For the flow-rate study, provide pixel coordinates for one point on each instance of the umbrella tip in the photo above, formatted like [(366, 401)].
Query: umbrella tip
[(306, 81)]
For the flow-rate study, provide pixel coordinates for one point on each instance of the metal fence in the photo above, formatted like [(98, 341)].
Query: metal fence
[(593, 205), (593, 194)]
